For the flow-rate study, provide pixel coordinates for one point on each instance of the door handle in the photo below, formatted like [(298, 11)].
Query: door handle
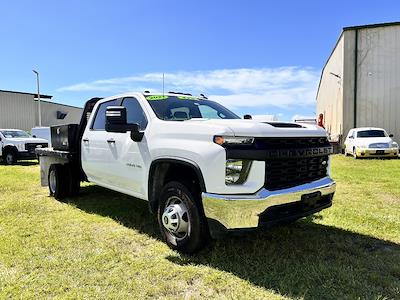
[(111, 141), (85, 140)]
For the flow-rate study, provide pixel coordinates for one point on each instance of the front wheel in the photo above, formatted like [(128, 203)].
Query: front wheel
[(10, 158), (181, 222)]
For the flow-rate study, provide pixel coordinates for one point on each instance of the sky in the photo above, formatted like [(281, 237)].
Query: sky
[(255, 57)]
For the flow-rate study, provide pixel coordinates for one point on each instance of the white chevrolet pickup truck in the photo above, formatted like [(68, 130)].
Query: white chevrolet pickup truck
[(17, 145), (201, 168)]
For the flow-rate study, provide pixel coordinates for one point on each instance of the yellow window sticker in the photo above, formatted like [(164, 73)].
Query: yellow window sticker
[(156, 97)]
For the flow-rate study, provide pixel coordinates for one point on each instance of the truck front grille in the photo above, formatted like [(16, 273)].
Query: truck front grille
[(30, 147), (286, 172)]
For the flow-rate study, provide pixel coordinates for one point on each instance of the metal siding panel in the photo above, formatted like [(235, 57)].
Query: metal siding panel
[(330, 95), (379, 70), (49, 113), (15, 111), (20, 111), (348, 81)]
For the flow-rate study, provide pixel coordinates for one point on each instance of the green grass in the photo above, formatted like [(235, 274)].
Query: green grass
[(106, 245)]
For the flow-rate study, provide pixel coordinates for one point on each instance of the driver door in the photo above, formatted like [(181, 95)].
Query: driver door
[(129, 168)]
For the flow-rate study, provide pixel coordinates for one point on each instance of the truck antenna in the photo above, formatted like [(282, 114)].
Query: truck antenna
[(163, 84)]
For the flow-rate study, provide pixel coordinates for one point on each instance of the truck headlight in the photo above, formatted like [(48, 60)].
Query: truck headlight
[(394, 145), (21, 147), (236, 171), (233, 140)]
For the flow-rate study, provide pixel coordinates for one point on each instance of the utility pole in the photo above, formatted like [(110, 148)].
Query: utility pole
[(38, 94)]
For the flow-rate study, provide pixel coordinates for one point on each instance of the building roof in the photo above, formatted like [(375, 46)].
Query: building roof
[(377, 25), (24, 93), (59, 104), (371, 26)]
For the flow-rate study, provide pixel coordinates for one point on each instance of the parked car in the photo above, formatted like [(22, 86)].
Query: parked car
[(17, 145), (201, 168), (370, 142)]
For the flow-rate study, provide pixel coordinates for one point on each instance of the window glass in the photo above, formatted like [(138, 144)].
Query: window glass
[(209, 112), (180, 108), (134, 112), (15, 134), (100, 119), (371, 133)]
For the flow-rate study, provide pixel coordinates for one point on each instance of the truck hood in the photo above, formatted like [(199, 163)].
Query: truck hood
[(254, 128), (26, 140)]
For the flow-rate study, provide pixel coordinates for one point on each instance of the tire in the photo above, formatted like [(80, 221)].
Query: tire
[(181, 221), (58, 183), (355, 153), (10, 158), (346, 153)]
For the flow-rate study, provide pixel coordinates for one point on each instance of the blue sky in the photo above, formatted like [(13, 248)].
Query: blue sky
[(258, 57)]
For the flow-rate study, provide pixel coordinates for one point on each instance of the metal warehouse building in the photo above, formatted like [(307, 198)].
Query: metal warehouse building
[(360, 82), (20, 111)]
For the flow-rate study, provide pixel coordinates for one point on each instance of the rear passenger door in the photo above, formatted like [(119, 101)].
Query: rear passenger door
[(132, 156)]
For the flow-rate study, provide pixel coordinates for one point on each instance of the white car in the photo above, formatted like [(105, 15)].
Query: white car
[(17, 145), (200, 167), (370, 142)]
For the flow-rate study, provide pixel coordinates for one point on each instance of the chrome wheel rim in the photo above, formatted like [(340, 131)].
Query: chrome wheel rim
[(52, 181), (175, 218)]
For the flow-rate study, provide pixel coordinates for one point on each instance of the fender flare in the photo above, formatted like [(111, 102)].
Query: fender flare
[(9, 147), (180, 161)]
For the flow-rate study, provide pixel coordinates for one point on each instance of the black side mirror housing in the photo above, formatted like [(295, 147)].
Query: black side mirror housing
[(391, 135), (247, 117), (116, 121)]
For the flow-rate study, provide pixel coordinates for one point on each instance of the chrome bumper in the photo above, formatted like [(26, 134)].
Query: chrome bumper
[(243, 211)]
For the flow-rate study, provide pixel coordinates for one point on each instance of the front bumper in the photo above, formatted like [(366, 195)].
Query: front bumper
[(26, 155), (377, 152), (266, 207)]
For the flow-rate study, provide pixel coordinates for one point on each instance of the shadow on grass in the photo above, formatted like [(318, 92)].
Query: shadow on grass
[(302, 260), (129, 211)]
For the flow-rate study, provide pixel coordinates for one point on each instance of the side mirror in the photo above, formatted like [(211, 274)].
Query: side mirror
[(391, 135), (247, 117), (116, 121)]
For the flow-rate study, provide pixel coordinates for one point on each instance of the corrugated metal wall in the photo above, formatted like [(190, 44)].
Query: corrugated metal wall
[(49, 113), (17, 111), (330, 94), (377, 86), (378, 81), (20, 111)]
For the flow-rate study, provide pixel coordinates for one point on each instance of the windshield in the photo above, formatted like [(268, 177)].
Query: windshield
[(14, 134), (371, 133), (180, 108)]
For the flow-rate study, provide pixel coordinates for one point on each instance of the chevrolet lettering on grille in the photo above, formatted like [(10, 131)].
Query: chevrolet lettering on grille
[(302, 152)]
